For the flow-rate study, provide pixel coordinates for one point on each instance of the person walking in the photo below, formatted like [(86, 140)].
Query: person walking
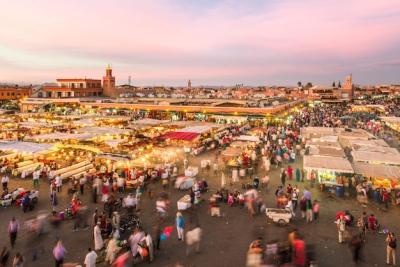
[(290, 172), (82, 182), (35, 178), (112, 250), (58, 182), (391, 244), (4, 181), (13, 228), (59, 254), (385, 198), (53, 200), (303, 207), (295, 198), (356, 244), (180, 225), (149, 244), (309, 210), (90, 259), (341, 226), (98, 239), (283, 176), (315, 210), (193, 239)]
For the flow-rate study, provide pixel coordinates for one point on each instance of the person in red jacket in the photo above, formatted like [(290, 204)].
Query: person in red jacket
[(385, 198), (299, 255), (372, 223)]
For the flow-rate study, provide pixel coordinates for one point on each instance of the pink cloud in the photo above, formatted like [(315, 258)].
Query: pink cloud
[(163, 39)]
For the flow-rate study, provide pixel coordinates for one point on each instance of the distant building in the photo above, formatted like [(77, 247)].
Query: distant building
[(66, 88), (333, 93), (109, 84), (8, 92), (189, 84)]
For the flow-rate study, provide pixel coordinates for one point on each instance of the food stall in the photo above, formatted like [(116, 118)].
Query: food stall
[(329, 171)]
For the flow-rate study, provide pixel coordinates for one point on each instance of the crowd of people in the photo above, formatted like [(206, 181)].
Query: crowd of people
[(119, 236)]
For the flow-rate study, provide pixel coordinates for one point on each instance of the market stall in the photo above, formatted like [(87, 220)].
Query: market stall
[(379, 175), (328, 171)]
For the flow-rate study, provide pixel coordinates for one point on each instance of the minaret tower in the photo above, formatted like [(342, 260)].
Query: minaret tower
[(109, 83)]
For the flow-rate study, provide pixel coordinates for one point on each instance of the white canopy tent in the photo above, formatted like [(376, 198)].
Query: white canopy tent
[(327, 163), (103, 130), (25, 147), (376, 157), (377, 170), (63, 136), (150, 122), (196, 129), (38, 124)]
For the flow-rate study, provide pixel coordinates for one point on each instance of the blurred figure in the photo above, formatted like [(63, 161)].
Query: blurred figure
[(254, 254), (59, 254), (13, 228), (18, 260), (356, 244), (90, 259), (111, 250), (4, 255), (193, 239)]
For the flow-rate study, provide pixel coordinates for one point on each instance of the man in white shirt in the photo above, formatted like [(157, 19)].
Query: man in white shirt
[(90, 259), (120, 184), (4, 182), (58, 181), (35, 177)]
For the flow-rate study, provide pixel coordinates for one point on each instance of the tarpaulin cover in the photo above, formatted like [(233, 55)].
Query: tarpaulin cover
[(186, 136)]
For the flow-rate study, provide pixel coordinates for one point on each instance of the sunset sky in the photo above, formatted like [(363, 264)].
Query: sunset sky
[(166, 42)]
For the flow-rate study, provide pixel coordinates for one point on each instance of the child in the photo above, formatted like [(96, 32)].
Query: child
[(315, 210)]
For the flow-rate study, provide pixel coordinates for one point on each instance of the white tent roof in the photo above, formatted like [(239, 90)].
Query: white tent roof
[(377, 170), (376, 157), (25, 147), (84, 122), (327, 163), (114, 142), (327, 151), (196, 129), (37, 124), (370, 143), (63, 136), (150, 122), (103, 130), (318, 131)]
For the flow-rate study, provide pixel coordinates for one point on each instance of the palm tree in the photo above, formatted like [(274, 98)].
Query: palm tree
[(333, 84)]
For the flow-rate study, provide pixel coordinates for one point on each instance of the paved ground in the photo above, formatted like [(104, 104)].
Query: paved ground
[(225, 239)]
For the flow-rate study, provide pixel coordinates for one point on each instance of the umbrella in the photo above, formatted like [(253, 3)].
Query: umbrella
[(307, 194)]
